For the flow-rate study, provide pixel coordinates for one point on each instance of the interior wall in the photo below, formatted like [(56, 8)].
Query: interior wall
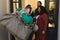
[(3, 10), (8, 6), (33, 3), (23, 3), (59, 22), (2, 6)]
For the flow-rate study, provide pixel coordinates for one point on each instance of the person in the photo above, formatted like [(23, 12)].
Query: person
[(42, 21), (27, 18), (39, 3)]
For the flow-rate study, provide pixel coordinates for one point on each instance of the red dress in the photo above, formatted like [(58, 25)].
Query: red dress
[(42, 25)]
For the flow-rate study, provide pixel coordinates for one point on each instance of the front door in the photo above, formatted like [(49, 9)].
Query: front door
[(52, 7)]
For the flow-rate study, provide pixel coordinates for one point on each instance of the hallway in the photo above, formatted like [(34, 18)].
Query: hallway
[(9, 6)]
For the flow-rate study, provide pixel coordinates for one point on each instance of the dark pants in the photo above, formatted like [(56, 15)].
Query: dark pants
[(31, 35), (12, 37)]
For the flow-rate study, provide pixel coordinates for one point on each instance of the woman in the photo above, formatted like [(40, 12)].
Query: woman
[(26, 17), (42, 21), (39, 3)]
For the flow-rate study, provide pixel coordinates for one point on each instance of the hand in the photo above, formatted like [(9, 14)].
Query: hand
[(43, 32), (37, 16)]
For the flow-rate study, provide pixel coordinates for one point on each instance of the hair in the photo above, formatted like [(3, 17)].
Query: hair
[(28, 7), (43, 10), (40, 2)]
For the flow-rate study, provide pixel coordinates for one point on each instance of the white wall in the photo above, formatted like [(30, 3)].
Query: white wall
[(4, 8), (8, 6), (59, 23)]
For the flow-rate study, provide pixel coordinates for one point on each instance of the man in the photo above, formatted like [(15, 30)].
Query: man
[(39, 4)]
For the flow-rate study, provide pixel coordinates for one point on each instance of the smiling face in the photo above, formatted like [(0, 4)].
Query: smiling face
[(39, 9), (28, 11)]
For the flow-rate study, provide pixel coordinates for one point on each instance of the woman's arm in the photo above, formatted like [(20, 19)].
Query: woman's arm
[(45, 24)]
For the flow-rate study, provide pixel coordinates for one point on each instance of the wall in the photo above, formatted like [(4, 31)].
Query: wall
[(59, 23), (3, 10), (2, 6), (33, 3), (8, 6), (23, 3)]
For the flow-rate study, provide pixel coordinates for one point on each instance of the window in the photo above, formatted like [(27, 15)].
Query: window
[(14, 4)]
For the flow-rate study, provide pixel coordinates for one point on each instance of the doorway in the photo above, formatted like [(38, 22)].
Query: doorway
[(52, 6), (14, 4)]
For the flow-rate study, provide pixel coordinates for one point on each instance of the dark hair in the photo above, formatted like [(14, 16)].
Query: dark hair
[(43, 10), (28, 7), (40, 2)]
